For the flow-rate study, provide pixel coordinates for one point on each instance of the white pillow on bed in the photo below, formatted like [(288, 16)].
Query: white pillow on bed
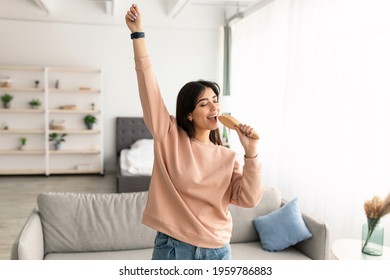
[(138, 160)]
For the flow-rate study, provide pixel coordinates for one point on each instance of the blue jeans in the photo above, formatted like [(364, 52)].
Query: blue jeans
[(169, 248)]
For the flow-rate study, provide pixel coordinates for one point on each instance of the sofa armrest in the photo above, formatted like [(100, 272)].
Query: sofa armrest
[(317, 247), (29, 244)]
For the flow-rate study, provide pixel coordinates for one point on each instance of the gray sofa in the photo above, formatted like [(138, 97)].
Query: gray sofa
[(75, 226)]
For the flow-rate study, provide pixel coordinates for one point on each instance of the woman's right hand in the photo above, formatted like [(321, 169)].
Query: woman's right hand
[(250, 145), (134, 19)]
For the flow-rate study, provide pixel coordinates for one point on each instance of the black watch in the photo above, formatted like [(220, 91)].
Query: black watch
[(137, 35)]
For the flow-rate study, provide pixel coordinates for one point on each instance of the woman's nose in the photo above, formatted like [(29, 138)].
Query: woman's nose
[(214, 106)]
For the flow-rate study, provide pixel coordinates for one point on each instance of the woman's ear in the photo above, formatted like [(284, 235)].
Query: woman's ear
[(189, 117)]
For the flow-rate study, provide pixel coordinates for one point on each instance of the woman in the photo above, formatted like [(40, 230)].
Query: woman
[(194, 177)]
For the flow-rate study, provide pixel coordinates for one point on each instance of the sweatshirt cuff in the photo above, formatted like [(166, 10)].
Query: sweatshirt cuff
[(254, 163)]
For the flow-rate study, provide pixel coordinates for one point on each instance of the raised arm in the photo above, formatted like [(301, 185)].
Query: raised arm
[(156, 116), (134, 22)]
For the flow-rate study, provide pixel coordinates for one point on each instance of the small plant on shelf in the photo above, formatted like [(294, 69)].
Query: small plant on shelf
[(23, 143), (6, 98), (57, 139), (35, 103), (89, 121)]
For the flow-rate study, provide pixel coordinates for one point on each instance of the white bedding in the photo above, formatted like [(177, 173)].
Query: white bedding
[(138, 160)]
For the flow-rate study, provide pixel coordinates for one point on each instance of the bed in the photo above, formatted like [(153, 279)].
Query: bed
[(128, 131)]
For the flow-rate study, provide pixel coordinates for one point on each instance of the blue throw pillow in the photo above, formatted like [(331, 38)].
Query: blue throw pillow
[(282, 228)]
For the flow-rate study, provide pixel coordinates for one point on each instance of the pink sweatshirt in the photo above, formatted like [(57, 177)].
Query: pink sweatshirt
[(192, 183)]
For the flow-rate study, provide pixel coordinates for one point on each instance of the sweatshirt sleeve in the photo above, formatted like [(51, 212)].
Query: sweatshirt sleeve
[(247, 188), (156, 115)]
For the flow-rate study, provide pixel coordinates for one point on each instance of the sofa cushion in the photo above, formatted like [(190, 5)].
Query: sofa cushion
[(80, 222), (140, 254), (240, 251), (282, 228), (253, 251), (243, 229)]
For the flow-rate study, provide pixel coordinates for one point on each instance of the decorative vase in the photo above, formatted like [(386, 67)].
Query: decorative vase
[(372, 237), (7, 105), (57, 146)]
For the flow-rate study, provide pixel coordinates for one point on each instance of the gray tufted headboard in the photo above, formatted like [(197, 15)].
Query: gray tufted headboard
[(129, 130)]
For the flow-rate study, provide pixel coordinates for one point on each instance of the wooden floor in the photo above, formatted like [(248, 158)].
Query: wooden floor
[(18, 197)]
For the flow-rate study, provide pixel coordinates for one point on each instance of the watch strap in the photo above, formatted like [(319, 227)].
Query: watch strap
[(137, 35)]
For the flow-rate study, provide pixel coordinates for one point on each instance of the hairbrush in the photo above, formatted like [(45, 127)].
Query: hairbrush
[(231, 122)]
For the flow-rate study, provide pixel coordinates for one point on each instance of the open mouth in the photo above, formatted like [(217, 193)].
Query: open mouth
[(213, 118)]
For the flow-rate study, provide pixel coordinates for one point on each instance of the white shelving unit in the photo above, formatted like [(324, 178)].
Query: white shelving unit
[(58, 89)]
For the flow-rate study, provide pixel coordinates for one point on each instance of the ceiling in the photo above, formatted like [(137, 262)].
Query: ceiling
[(110, 7), (176, 6), (50, 6), (184, 13)]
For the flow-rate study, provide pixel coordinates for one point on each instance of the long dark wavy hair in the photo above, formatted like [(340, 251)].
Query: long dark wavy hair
[(186, 102)]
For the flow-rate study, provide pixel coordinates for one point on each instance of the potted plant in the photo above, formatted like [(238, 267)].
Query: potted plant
[(89, 120), (6, 98), (23, 142), (35, 103), (57, 139)]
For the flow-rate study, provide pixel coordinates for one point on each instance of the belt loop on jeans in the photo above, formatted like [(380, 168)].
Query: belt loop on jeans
[(198, 253)]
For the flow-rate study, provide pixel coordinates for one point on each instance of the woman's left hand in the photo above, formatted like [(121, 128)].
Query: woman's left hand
[(133, 19), (250, 145)]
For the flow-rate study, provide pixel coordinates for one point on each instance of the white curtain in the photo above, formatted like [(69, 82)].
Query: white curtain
[(313, 78)]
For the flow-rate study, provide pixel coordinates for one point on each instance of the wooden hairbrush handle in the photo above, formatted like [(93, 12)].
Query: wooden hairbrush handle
[(231, 122)]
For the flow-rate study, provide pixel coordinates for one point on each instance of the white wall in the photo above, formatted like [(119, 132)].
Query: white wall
[(185, 48)]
